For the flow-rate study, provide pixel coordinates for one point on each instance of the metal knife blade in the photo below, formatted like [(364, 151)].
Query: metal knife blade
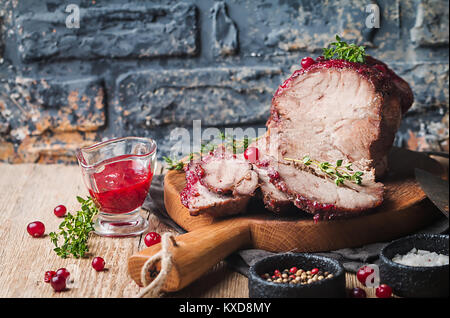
[(435, 188)]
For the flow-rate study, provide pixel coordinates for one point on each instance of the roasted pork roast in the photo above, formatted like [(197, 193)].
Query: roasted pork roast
[(332, 110)]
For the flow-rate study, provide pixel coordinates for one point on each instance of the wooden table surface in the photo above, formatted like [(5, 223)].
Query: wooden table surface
[(29, 192)]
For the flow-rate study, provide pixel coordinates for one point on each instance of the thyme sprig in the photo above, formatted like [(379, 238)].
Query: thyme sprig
[(338, 172), (75, 229), (174, 164), (230, 143), (344, 51)]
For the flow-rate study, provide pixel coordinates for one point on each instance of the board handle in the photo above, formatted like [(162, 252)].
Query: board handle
[(195, 253)]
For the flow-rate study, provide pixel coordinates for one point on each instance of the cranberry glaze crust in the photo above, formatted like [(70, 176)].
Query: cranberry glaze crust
[(377, 72)]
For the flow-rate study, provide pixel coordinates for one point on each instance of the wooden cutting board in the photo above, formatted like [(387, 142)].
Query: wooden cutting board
[(405, 209)]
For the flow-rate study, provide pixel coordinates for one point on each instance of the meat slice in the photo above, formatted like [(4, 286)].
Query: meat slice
[(206, 201), (274, 199), (228, 174), (219, 184), (318, 194)]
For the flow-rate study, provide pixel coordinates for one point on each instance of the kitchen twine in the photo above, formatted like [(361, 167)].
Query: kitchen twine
[(153, 289)]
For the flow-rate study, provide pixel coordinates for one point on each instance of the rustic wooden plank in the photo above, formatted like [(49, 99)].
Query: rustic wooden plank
[(29, 193)]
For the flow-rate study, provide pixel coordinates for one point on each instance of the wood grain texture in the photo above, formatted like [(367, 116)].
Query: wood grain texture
[(403, 211)]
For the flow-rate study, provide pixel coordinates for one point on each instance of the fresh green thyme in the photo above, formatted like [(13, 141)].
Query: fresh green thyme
[(342, 50), (229, 142), (234, 145), (75, 229), (338, 172), (174, 164)]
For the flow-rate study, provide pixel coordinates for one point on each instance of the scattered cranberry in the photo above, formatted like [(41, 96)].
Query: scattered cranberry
[(274, 277), (63, 273), (251, 154), (292, 276), (307, 62), (363, 273), (58, 283), (277, 272), (48, 276), (98, 263), (383, 291), (357, 293), (60, 211), (152, 238), (36, 229), (293, 270), (314, 271)]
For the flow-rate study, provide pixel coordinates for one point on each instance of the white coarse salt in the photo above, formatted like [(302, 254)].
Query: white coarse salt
[(417, 257)]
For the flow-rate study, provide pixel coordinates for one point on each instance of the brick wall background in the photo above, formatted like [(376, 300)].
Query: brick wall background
[(146, 67)]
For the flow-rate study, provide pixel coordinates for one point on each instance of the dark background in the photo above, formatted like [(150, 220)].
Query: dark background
[(146, 67)]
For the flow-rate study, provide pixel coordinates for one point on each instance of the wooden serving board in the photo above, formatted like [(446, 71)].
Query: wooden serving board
[(209, 240)]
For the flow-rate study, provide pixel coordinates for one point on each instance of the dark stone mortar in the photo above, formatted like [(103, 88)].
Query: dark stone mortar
[(326, 288), (414, 281)]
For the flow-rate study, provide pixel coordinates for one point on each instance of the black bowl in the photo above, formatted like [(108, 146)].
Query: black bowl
[(326, 288), (415, 281)]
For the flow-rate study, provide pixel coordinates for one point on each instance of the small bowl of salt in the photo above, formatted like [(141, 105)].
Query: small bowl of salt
[(416, 266)]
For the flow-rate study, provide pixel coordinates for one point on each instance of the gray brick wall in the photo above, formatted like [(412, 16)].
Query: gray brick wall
[(148, 67)]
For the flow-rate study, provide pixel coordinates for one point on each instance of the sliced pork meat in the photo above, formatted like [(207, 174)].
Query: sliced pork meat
[(331, 110), (274, 199), (318, 194), (219, 184), (228, 174)]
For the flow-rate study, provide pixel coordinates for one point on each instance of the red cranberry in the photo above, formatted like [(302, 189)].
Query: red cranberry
[(314, 271), (363, 273), (60, 211), (293, 270), (307, 62), (274, 277), (36, 229), (292, 276), (98, 263), (152, 238), (277, 272), (58, 283), (63, 273), (251, 154), (383, 291), (357, 293), (48, 276)]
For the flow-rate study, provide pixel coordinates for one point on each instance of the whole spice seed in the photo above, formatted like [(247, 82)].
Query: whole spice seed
[(296, 275)]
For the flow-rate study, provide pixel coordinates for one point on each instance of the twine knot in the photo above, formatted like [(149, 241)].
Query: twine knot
[(153, 289)]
